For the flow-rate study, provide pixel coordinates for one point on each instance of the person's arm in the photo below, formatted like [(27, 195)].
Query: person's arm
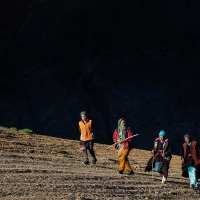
[(79, 128), (198, 150), (182, 152), (182, 155), (115, 137), (154, 151), (168, 151), (92, 126), (130, 133)]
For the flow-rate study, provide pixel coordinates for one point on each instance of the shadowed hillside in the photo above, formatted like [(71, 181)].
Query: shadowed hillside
[(46, 168)]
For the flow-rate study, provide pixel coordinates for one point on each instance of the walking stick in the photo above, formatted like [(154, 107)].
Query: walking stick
[(154, 156), (122, 141), (152, 166)]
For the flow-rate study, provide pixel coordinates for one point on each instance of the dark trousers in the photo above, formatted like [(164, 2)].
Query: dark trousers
[(161, 167), (165, 168), (89, 146)]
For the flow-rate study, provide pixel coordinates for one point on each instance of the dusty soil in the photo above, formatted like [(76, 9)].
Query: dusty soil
[(40, 167)]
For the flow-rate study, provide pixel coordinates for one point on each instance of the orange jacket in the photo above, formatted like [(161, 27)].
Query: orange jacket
[(86, 130)]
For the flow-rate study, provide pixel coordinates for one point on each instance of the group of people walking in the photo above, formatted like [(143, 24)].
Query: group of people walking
[(161, 152)]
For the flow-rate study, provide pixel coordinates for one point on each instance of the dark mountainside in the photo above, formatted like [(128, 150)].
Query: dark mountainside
[(137, 59)]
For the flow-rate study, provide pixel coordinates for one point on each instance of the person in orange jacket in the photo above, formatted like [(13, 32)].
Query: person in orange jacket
[(86, 138), (120, 134)]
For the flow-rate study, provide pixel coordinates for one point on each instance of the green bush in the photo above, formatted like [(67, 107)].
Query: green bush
[(26, 130), (3, 127), (13, 128)]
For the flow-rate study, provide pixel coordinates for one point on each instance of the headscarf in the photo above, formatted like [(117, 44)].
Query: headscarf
[(121, 133)]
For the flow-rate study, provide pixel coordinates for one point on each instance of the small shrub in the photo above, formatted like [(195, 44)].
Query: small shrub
[(26, 130), (13, 128)]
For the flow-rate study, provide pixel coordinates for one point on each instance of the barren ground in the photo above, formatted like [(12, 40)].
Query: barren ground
[(40, 167)]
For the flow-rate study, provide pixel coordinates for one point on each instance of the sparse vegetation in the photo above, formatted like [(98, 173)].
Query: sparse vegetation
[(13, 128), (26, 130)]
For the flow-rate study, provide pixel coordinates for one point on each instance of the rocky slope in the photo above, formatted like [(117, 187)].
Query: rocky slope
[(47, 168), (137, 60)]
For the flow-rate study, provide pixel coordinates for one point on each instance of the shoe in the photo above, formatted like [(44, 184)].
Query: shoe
[(164, 180), (192, 186), (131, 172), (196, 188), (120, 171), (85, 162), (94, 161)]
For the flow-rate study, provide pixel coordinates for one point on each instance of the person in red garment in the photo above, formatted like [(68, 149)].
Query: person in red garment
[(124, 146), (162, 155), (191, 161)]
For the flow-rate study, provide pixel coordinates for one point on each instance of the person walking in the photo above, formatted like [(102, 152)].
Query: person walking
[(123, 146), (162, 155), (86, 138), (191, 161)]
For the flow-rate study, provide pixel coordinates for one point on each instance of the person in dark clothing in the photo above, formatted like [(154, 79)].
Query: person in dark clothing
[(86, 138), (162, 155), (191, 161)]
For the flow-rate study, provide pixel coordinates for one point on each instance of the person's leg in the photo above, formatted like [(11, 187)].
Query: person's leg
[(164, 170), (196, 186), (127, 166), (122, 160), (193, 177), (85, 156), (84, 151), (92, 153), (165, 167), (158, 166)]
